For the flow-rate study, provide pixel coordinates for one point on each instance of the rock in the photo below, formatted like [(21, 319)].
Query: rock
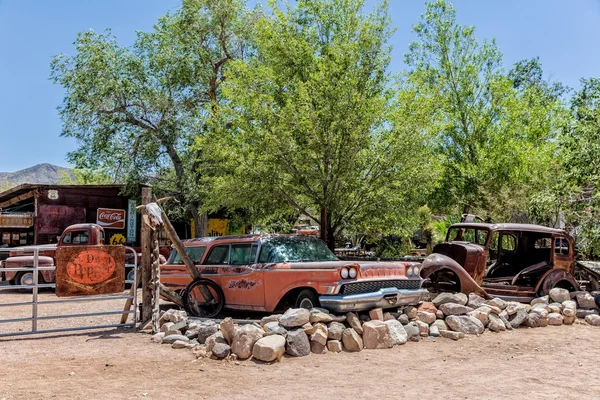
[(497, 302), (452, 335), (454, 309), (244, 339), (593, 319), (376, 335), (338, 318), (475, 300), (505, 321), (309, 329), (541, 311), (170, 339), (354, 323), (221, 350), (493, 309), (213, 339), (273, 328), (388, 317), (518, 318), (540, 306), (440, 324), (568, 320), (320, 334), (166, 326), (423, 328), (495, 324), (177, 316), (318, 348), (403, 319), (512, 307), (335, 330), (426, 317), (334, 346), (559, 295), (412, 331), (364, 318), (297, 343), (173, 332), (480, 315), (411, 312), (376, 314), (269, 348), (319, 316), (457, 298), (555, 319), (270, 318), (465, 324), (434, 331), (533, 320), (584, 313), (352, 340), (569, 309), (540, 300), (427, 306), (294, 317), (228, 329), (181, 326), (504, 314), (204, 330), (397, 332), (200, 351), (439, 314), (180, 344), (158, 337)]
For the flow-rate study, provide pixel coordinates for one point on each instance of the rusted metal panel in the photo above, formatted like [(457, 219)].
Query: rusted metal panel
[(53, 219), (90, 270)]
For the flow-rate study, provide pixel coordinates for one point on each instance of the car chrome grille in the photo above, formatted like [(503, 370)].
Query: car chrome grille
[(373, 286)]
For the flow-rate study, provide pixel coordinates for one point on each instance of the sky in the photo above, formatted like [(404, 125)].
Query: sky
[(563, 34)]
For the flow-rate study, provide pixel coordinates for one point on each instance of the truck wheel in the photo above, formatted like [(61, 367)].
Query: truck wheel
[(24, 278), (307, 298)]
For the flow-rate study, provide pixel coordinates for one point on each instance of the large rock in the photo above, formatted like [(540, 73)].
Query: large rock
[(352, 340), (176, 316), (318, 348), (434, 331), (309, 329), (569, 319), (228, 329), (465, 324), (297, 343), (320, 334), (221, 350), (202, 331), (426, 317), (376, 314), (411, 312), (244, 340), (593, 319), (584, 313), (413, 331), (518, 318), (555, 319), (495, 324), (458, 298), (166, 327), (354, 322), (559, 295), (334, 346), (440, 324), (428, 307), (213, 339), (158, 337), (454, 309), (397, 332), (273, 328), (497, 302), (452, 335), (540, 300), (423, 328), (294, 317), (376, 335), (512, 307), (569, 308), (335, 330), (269, 348), (475, 301), (403, 319), (317, 315), (481, 315), (270, 318), (173, 338)]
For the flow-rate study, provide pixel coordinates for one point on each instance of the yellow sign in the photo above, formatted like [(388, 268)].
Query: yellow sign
[(117, 238), (216, 227)]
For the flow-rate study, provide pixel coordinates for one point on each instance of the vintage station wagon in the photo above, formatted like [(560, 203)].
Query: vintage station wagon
[(268, 272)]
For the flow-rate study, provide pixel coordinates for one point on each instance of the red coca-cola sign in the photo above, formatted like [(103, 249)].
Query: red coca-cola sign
[(111, 218)]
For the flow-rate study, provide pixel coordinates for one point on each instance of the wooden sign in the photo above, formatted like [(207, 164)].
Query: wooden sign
[(16, 220), (89, 270)]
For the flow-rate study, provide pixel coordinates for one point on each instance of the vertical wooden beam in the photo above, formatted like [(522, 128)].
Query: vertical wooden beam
[(146, 242), (155, 282)]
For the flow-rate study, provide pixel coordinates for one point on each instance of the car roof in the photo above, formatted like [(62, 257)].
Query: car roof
[(238, 239), (509, 227)]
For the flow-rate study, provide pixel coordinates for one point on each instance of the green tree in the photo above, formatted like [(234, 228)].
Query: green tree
[(313, 126), (84, 177), (136, 110)]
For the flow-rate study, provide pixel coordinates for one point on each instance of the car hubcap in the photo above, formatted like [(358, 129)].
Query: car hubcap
[(27, 279), (130, 275), (306, 303)]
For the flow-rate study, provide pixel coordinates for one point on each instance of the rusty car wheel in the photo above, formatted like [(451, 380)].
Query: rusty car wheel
[(203, 298), (307, 298)]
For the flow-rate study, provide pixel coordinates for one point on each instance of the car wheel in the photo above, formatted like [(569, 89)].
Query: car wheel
[(24, 278), (130, 277), (307, 298)]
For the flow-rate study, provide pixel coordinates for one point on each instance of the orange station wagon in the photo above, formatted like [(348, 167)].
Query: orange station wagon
[(269, 272)]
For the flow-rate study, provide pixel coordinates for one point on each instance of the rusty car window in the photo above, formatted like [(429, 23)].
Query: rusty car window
[(561, 246), (471, 235), (543, 243), (76, 237), (195, 254), (242, 254), (508, 243), (218, 255)]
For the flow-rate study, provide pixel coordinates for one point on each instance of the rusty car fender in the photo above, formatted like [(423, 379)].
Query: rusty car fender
[(436, 262), (551, 278)]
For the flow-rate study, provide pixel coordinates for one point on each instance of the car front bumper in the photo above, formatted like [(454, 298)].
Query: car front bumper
[(382, 298)]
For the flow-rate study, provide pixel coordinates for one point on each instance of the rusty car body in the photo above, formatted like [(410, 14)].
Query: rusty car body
[(268, 272), (511, 261)]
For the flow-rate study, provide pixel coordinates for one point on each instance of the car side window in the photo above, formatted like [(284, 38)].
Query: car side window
[(67, 238), (76, 237), (561, 246), (508, 243), (242, 254), (219, 255)]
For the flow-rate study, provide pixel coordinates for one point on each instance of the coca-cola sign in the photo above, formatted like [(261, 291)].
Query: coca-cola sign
[(111, 218)]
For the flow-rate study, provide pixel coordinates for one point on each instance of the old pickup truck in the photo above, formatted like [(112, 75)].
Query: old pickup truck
[(268, 272), (78, 234)]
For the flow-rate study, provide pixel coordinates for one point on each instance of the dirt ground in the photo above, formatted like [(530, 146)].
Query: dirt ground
[(544, 363)]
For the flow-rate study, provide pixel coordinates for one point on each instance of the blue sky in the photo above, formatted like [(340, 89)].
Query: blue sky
[(564, 34)]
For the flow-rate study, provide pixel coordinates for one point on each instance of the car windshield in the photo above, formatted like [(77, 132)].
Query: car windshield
[(471, 235), (294, 249), (195, 254)]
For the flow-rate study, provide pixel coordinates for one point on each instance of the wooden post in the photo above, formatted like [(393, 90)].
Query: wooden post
[(146, 262), (155, 283)]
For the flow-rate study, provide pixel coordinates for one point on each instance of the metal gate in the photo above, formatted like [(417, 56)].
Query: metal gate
[(36, 302)]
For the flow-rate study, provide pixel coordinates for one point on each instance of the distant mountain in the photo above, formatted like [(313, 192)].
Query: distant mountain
[(46, 174)]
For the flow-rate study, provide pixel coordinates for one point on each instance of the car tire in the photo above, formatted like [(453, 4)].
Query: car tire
[(307, 298), (23, 278)]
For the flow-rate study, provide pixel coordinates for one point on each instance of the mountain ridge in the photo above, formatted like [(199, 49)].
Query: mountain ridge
[(44, 174)]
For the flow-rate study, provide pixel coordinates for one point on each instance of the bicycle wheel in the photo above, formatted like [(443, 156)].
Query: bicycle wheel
[(203, 298)]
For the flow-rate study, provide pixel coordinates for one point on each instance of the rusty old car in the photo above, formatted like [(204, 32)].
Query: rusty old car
[(269, 272), (512, 261)]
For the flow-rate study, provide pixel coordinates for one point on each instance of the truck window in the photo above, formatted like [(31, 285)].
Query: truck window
[(243, 254), (76, 237), (195, 254), (219, 255)]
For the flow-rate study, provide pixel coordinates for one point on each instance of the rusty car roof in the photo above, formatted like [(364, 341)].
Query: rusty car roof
[(239, 238), (509, 227)]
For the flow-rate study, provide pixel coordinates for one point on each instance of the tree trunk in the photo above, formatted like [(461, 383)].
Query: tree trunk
[(200, 220), (327, 234)]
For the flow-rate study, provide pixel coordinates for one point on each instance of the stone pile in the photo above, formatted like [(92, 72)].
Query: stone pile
[(299, 332)]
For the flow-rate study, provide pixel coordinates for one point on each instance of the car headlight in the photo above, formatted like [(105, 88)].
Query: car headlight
[(352, 273), (409, 271), (344, 273), (416, 271)]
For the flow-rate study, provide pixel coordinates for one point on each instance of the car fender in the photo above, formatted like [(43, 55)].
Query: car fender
[(551, 278), (436, 262)]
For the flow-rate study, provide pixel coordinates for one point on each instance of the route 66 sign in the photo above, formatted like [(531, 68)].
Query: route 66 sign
[(53, 194)]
